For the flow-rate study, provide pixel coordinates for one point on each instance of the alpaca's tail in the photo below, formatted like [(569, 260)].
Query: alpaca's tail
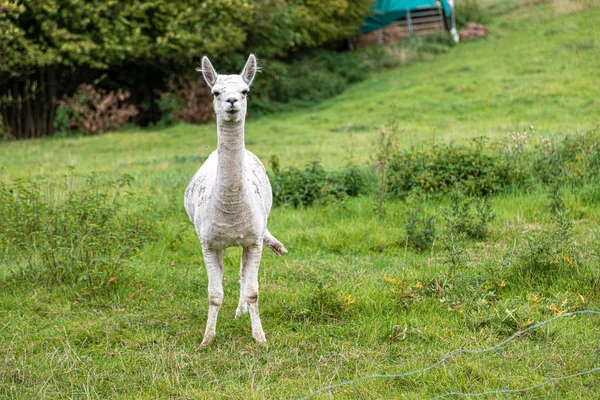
[(274, 244)]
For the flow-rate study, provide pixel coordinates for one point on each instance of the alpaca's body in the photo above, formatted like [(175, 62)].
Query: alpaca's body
[(235, 219), (229, 200)]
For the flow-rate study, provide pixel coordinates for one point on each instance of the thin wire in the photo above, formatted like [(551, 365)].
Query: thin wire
[(457, 352), (503, 391)]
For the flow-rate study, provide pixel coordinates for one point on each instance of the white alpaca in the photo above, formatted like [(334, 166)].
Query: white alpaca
[(229, 199)]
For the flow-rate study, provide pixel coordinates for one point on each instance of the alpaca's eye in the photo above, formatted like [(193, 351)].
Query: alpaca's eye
[(216, 94), (244, 92)]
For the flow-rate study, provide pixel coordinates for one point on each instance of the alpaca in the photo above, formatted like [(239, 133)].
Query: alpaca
[(229, 199)]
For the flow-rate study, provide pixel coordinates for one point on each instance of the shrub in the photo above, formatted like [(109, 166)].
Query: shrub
[(307, 79), (445, 168), (187, 100), (481, 170), (579, 156), (469, 216), (93, 111), (547, 251), (420, 229), (79, 234), (302, 188), (4, 131)]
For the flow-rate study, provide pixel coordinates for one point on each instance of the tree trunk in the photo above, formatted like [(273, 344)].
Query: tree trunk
[(28, 104)]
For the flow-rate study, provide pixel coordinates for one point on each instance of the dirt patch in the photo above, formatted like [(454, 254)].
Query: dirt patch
[(473, 31)]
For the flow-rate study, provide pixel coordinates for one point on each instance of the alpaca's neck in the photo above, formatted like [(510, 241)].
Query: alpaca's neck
[(230, 167)]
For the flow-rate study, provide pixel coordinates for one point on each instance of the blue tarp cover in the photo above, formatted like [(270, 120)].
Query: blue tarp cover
[(388, 11)]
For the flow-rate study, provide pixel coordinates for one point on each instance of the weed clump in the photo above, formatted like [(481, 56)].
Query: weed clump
[(79, 234), (546, 252), (325, 303), (469, 216), (421, 229), (386, 146), (404, 291), (303, 187)]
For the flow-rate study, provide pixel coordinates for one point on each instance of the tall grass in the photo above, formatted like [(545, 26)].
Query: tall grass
[(78, 232)]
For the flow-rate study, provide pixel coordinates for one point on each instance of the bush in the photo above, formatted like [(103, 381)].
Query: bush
[(545, 252), (306, 80), (302, 188), (481, 170), (93, 111), (445, 168), (187, 100), (4, 130), (79, 234), (469, 217), (420, 230), (579, 156)]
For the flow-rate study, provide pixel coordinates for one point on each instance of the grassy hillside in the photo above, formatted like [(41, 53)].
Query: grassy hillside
[(537, 67), (108, 300)]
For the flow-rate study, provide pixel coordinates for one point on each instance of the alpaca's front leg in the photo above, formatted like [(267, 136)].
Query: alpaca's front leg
[(214, 267), (252, 256)]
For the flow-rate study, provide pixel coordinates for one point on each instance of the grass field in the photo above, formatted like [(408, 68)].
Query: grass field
[(351, 298)]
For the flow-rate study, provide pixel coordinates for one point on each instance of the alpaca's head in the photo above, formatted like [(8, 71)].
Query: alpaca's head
[(229, 91)]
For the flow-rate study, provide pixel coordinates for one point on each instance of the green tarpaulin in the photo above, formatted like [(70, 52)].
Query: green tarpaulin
[(388, 11)]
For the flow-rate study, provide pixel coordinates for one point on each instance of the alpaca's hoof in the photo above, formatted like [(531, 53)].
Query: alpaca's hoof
[(278, 249), (242, 309), (260, 338), (207, 341), (281, 250)]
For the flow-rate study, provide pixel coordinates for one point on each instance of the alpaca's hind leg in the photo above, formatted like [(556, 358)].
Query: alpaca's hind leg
[(252, 257), (214, 267), (242, 307)]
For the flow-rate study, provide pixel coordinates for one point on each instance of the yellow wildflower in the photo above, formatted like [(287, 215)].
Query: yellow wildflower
[(390, 280)]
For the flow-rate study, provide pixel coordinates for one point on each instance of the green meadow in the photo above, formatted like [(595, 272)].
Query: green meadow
[(104, 288)]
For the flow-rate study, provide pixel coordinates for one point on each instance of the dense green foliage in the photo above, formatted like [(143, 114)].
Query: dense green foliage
[(140, 46), (102, 34), (482, 170), (302, 187)]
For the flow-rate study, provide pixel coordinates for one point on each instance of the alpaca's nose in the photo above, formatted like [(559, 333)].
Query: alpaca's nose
[(231, 100)]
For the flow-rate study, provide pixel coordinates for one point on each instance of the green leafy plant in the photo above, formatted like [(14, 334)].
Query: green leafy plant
[(303, 187), (469, 216), (325, 303), (445, 168), (420, 229), (546, 252)]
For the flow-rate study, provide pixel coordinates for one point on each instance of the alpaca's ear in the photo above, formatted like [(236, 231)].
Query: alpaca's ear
[(250, 70), (208, 72)]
